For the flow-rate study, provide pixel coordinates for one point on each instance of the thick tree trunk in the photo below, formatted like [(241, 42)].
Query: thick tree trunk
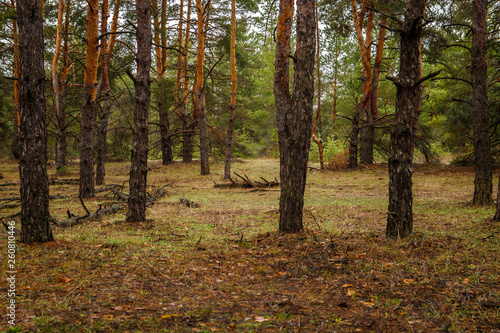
[(483, 186), (202, 12), (89, 109), (139, 158), (33, 162), (294, 116), (232, 106), (408, 100)]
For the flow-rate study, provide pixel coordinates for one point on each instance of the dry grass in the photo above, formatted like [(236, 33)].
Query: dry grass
[(222, 267)]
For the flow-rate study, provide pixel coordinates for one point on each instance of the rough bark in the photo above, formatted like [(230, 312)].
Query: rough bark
[(139, 159), (483, 186), (202, 12), (33, 162), (89, 109), (408, 100), (232, 106), (294, 115)]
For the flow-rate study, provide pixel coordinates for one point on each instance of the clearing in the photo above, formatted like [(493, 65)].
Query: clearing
[(221, 266)]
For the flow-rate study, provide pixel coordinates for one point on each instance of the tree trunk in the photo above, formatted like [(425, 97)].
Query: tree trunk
[(317, 119), (408, 101), (353, 139), (368, 130), (164, 103), (165, 137), (16, 120), (139, 158), (106, 51), (89, 109), (33, 162), (202, 12), (294, 115), (232, 106), (367, 133), (59, 96), (483, 186)]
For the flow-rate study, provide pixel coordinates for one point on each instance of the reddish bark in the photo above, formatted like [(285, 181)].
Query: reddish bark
[(89, 109)]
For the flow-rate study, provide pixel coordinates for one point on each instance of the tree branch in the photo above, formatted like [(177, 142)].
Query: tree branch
[(427, 77)]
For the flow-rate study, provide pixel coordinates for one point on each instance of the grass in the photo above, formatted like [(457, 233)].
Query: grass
[(223, 267)]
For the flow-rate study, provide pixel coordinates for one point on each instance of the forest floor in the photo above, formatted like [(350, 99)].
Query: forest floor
[(222, 266)]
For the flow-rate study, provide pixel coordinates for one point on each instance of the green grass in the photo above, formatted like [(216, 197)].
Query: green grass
[(223, 267)]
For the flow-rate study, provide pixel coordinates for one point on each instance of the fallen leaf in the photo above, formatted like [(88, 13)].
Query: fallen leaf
[(351, 292), (64, 280), (408, 281), (388, 264), (465, 281), (169, 316), (118, 308), (261, 319), (346, 286), (367, 304)]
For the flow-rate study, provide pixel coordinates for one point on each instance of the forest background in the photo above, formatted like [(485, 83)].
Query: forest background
[(445, 124)]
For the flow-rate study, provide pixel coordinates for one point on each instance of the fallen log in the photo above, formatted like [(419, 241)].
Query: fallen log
[(247, 183), (100, 212), (108, 188)]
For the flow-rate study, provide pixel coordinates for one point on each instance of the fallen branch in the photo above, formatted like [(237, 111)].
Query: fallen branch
[(189, 203), (247, 183)]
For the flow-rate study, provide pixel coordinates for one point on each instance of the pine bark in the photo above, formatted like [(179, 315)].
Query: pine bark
[(408, 101), (203, 17), (294, 115), (365, 53), (106, 105), (59, 95), (483, 186), (232, 106), (139, 159), (33, 162), (163, 101), (89, 109)]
